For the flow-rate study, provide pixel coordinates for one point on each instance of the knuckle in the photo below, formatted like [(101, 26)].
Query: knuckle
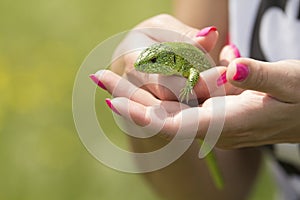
[(186, 34), (170, 127), (129, 59), (260, 78), (158, 20), (291, 79), (117, 66), (163, 17)]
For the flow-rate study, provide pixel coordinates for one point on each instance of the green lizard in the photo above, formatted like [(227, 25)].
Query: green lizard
[(183, 59), (174, 58)]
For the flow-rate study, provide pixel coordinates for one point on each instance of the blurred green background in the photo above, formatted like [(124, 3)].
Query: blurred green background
[(42, 45)]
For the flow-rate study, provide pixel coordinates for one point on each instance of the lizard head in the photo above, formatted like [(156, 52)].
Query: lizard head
[(157, 59)]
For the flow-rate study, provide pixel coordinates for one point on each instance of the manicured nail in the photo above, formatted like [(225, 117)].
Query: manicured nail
[(235, 50), (111, 106), (97, 81), (222, 79), (241, 73), (205, 31)]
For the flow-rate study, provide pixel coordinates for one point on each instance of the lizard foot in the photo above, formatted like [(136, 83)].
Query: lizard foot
[(185, 93)]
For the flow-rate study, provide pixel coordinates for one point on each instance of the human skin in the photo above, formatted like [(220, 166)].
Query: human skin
[(271, 113), (203, 13), (272, 116), (262, 108), (188, 177)]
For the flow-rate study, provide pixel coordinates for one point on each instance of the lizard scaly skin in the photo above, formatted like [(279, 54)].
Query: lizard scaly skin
[(174, 58)]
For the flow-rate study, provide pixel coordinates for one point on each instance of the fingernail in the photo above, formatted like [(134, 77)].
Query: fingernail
[(241, 73), (205, 31), (97, 81), (111, 106), (222, 79), (235, 50)]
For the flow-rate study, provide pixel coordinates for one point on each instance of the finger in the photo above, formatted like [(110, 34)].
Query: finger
[(207, 40), (206, 87), (228, 54), (118, 86), (159, 29), (163, 87), (118, 66), (185, 123), (252, 118), (169, 87), (128, 50), (167, 28), (279, 79), (131, 110)]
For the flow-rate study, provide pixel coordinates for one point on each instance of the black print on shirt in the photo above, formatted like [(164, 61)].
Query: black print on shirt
[(256, 50), (298, 13)]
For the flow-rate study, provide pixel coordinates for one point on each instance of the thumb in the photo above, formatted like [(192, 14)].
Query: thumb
[(280, 80)]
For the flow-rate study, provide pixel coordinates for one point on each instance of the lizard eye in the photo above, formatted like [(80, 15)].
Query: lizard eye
[(153, 60)]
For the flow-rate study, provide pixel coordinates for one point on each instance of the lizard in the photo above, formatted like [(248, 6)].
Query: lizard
[(174, 58), (183, 59)]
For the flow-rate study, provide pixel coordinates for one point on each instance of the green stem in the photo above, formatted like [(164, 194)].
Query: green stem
[(214, 170)]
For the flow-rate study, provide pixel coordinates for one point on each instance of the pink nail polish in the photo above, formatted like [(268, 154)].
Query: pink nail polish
[(222, 79), (241, 73), (97, 81), (235, 50), (110, 105), (205, 31)]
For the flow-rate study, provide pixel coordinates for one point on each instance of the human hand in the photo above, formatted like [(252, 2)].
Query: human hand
[(252, 118), (267, 111), (160, 29)]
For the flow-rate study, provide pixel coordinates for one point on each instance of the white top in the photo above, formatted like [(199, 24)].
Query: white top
[(268, 30), (273, 24)]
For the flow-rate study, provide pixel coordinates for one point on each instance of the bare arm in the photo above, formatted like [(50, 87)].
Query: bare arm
[(188, 177), (203, 13)]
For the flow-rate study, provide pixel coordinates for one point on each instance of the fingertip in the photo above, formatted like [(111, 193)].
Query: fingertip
[(228, 54), (222, 79), (111, 106), (121, 104), (207, 40), (205, 31), (235, 50), (100, 73), (241, 73), (238, 71), (267, 77)]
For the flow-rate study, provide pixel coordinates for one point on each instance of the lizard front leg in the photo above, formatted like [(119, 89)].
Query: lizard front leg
[(192, 80)]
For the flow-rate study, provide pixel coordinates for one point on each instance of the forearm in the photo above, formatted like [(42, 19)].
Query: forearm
[(189, 177), (203, 13)]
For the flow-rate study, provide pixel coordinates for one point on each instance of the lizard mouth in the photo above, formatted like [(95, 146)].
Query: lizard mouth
[(149, 67)]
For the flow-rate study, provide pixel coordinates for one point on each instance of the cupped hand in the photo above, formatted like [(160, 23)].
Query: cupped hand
[(160, 28), (265, 112)]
